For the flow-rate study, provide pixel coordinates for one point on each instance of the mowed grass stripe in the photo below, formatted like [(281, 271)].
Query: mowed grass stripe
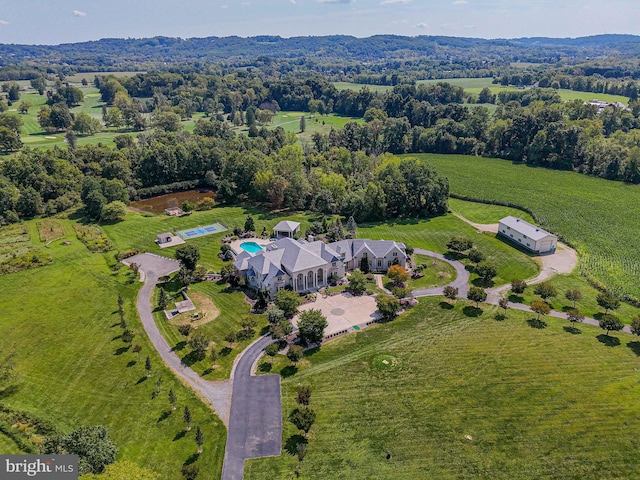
[(72, 367), (537, 403)]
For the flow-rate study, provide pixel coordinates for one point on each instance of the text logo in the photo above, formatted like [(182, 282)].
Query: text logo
[(45, 467)]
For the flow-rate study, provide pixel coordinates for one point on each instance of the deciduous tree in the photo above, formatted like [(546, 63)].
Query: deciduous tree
[(476, 294), (357, 282), (608, 301), (303, 419), (388, 306), (295, 353), (288, 301), (540, 308), (610, 323), (311, 325), (573, 296), (545, 291), (450, 293)]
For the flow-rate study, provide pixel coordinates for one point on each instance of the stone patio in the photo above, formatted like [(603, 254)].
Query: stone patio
[(343, 311)]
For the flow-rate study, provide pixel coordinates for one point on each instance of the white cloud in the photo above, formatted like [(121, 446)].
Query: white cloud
[(293, 2), (459, 2), (224, 6), (335, 1), (393, 2), (4, 22), (422, 25), (78, 13)]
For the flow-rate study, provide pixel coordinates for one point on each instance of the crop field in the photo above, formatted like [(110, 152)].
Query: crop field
[(73, 369), (464, 397), (599, 217)]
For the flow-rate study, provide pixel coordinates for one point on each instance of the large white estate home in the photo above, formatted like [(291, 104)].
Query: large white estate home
[(306, 266)]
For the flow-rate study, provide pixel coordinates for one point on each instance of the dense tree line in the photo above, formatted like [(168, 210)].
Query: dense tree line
[(268, 169)]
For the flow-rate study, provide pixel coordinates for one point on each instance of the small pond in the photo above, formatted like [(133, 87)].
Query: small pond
[(159, 203)]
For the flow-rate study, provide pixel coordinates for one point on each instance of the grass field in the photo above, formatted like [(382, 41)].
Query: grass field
[(475, 85), (436, 274), (73, 369), (599, 217), (465, 397), (482, 213), (233, 310)]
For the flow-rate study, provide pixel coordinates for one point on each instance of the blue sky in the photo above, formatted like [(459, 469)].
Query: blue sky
[(61, 21)]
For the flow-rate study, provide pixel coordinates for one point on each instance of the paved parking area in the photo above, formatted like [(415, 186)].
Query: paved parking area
[(343, 311)]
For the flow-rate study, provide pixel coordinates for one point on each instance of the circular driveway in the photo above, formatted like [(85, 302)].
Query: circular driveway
[(343, 311)]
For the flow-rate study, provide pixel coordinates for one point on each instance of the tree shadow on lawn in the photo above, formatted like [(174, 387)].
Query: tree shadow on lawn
[(446, 305), (142, 379), (191, 358), (131, 363), (225, 351), (499, 317), (265, 367), (288, 371), (537, 323), (192, 459), (472, 312), (166, 414), (572, 330), (179, 346), (117, 337), (635, 347), (121, 350), (608, 341), (291, 445), (478, 282), (180, 435), (514, 298), (8, 391)]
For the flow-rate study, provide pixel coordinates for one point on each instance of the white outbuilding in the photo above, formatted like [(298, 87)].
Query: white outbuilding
[(527, 235)]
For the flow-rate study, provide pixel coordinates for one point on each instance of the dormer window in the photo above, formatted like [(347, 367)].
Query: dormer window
[(364, 255), (395, 254)]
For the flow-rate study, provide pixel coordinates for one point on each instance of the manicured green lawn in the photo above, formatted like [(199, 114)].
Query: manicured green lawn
[(233, 311), (436, 274), (433, 234), (599, 217), (465, 397), (74, 370), (587, 306)]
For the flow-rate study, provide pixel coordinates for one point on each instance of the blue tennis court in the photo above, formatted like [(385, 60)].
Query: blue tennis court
[(201, 231)]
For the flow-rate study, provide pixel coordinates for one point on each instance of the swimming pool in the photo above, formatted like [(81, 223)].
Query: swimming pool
[(251, 247), (200, 231)]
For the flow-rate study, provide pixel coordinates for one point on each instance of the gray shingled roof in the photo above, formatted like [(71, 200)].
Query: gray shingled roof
[(525, 228), (286, 226)]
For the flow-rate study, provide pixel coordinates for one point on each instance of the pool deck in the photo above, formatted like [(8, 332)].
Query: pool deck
[(235, 245)]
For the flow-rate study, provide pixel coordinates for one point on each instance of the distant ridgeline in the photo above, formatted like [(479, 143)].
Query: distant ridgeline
[(434, 56)]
